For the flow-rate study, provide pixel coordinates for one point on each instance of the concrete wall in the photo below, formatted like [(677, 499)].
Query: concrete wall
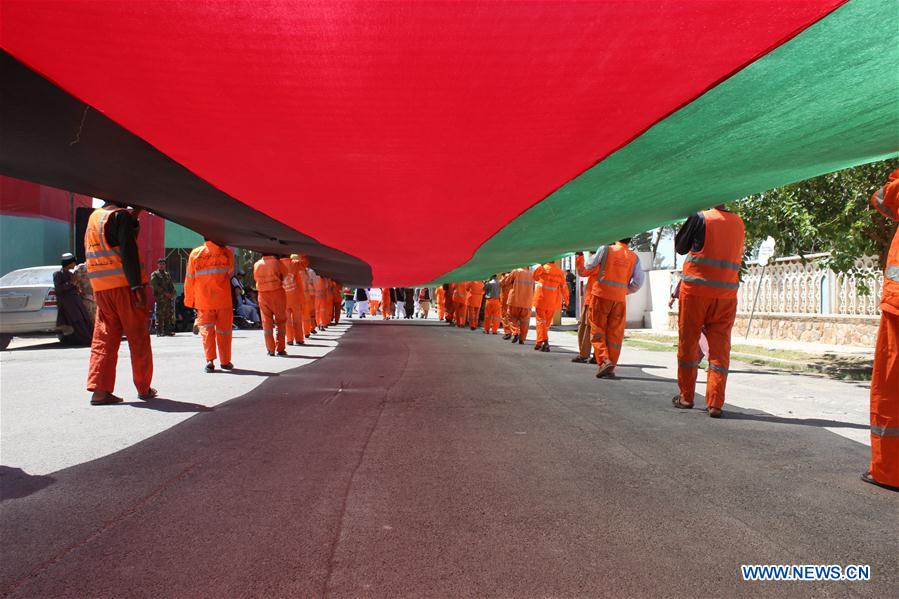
[(27, 241)]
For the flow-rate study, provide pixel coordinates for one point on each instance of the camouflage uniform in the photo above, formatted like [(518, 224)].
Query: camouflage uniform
[(163, 287)]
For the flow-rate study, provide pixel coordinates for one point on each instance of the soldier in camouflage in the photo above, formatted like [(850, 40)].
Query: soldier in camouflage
[(164, 292)]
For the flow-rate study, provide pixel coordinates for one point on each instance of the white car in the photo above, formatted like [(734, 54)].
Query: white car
[(27, 303)]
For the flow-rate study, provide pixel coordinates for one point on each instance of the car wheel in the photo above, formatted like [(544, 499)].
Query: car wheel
[(4, 341)]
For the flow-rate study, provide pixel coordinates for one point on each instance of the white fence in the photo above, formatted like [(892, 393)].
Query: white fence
[(793, 286)]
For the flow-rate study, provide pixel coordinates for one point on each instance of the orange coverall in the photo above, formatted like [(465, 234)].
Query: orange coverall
[(322, 301), (609, 302), (521, 296), (117, 313), (885, 377), (269, 275), (584, 335), (441, 304), (295, 299), (504, 305), (386, 306), (474, 293), (449, 308), (207, 288), (708, 299), (550, 294), (460, 303), (336, 301)]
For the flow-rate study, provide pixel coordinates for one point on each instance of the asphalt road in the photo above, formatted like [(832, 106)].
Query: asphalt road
[(417, 460)]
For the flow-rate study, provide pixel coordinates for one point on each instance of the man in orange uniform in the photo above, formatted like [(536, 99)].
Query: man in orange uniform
[(584, 337), (619, 273), (505, 287), (713, 242), (449, 291), (550, 295), (336, 301), (460, 303), (269, 274), (474, 295), (295, 298), (207, 288), (440, 294), (492, 308), (309, 318), (119, 285), (322, 301), (386, 304), (884, 469), (521, 297)]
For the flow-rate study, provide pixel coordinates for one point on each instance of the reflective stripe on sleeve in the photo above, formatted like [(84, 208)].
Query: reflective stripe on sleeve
[(712, 262), (884, 431), (708, 283), (881, 207), (892, 272)]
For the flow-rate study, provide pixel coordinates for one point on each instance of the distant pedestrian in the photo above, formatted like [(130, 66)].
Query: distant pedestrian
[(349, 301), (164, 293), (424, 301), (82, 280), (361, 298), (71, 315), (409, 294)]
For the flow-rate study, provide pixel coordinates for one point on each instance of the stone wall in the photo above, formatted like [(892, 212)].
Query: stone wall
[(813, 328)]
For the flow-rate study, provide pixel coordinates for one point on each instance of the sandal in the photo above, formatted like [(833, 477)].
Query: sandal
[(151, 393), (678, 404), (106, 400)]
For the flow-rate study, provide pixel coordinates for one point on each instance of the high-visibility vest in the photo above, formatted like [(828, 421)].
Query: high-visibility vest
[(615, 271), (104, 262), (550, 286), (521, 288), (886, 201), (269, 274), (293, 282), (207, 283), (715, 270), (460, 293), (474, 293)]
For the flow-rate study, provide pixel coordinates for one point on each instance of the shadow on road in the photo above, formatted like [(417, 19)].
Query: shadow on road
[(167, 405), (16, 483), (246, 372), (818, 422)]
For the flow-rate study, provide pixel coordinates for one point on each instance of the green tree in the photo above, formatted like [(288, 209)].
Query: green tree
[(829, 213)]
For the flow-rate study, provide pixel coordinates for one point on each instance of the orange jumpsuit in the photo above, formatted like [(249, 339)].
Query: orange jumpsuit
[(550, 294), (116, 312), (885, 377), (474, 295), (492, 307), (207, 287), (708, 299), (307, 310), (386, 306), (449, 307), (609, 302), (269, 275), (521, 297), (441, 304), (460, 303), (584, 335), (504, 305), (295, 298), (322, 301), (336, 301)]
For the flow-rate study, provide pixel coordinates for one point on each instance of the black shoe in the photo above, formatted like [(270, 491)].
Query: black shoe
[(290, 343), (537, 346), (592, 360), (579, 360), (545, 347), (210, 367), (271, 353), (282, 353), (515, 339), (228, 366), (507, 336)]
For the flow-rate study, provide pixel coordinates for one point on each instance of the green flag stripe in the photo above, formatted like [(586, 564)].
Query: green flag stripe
[(828, 99)]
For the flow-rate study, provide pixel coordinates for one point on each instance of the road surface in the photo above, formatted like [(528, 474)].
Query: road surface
[(413, 459)]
